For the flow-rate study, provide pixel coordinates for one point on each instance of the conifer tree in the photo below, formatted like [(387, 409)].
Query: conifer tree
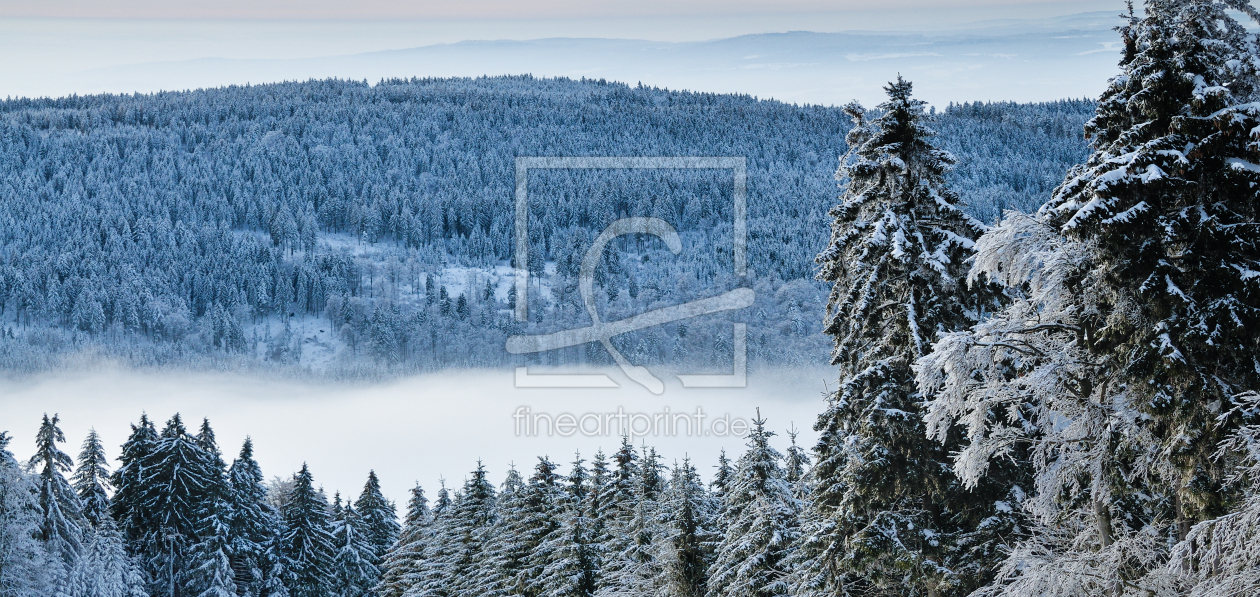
[(689, 534), (461, 537), (618, 507), (275, 564), (1132, 326), (354, 574), (510, 548), (26, 567), (379, 517), (91, 480), (652, 477), (597, 495), (598, 499), (62, 526), (884, 506), (722, 477), (469, 530), (541, 511), (308, 544), (796, 461), (403, 559), (577, 484), (178, 490), (759, 525), (104, 568), (1167, 201), (571, 555), (632, 566), (210, 571), (213, 574), (253, 524), (1231, 542), (624, 480), (431, 576), (129, 508), (216, 469)]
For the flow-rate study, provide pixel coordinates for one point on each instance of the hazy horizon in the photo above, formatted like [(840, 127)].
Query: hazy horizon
[(953, 56), (418, 428)]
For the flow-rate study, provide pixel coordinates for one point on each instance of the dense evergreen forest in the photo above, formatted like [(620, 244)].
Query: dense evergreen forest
[(342, 227), (1062, 402)]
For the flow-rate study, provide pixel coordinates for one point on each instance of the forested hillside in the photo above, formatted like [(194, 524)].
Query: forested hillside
[(317, 224)]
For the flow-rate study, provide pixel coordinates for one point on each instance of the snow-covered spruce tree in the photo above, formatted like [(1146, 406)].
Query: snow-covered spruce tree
[(1168, 203), (797, 461), (617, 509), (598, 497), (308, 546), (275, 564), (510, 545), (253, 525), (380, 518), (577, 484), (104, 568), (181, 486), (619, 504), (632, 567), (651, 475), (62, 526), (468, 533), (534, 516), (403, 558), (461, 539), (597, 493), (759, 525), (572, 557), (884, 509), (130, 510), (26, 567), (91, 480), (430, 572), (354, 574), (1024, 379), (216, 469), (688, 534), (1133, 330), (722, 476), (1221, 557), (210, 571), (213, 575)]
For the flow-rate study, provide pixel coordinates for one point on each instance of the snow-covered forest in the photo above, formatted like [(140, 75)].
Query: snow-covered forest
[(1063, 400), (343, 228), (173, 519)]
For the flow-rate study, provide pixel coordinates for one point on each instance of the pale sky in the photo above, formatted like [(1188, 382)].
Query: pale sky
[(59, 47), (483, 9)]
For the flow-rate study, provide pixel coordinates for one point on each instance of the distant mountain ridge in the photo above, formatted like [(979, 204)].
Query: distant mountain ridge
[(1033, 60)]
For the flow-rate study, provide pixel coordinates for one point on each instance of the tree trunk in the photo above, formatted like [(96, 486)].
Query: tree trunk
[(1103, 517), (1183, 522)]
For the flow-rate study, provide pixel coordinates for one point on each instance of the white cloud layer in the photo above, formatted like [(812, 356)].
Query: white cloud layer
[(416, 429)]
